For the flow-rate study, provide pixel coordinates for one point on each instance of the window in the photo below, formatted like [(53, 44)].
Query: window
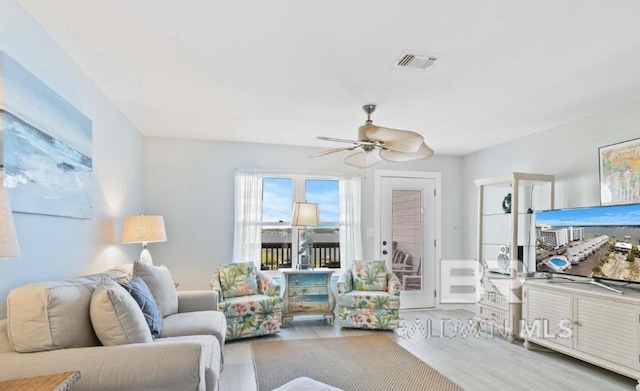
[(263, 207), (279, 238)]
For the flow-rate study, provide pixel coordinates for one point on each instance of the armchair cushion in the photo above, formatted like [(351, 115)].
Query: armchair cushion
[(369, 299), (267, 285), (160, 283), (345, 282), (370, 276), (247, 305), (238, 279)]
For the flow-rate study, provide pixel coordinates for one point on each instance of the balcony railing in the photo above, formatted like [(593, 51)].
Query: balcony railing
[(278, 255)]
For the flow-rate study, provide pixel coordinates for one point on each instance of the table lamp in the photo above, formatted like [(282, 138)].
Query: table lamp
[(8, 238), (305, 215), (144, 229)]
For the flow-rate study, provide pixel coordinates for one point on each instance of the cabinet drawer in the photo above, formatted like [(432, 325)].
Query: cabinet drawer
[(494, 299), (494, 316)]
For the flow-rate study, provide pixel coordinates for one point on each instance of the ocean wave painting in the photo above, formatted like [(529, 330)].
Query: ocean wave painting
[(46, 145)]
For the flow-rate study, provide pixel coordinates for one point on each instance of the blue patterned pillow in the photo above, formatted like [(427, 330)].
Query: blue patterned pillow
[(142, 295)]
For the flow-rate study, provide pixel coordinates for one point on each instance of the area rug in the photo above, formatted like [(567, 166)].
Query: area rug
[(364, 363)]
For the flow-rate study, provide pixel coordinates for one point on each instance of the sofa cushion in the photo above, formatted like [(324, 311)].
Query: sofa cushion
[(211, 357), (195, 323), (5, 345), (254, 304), (369, 299), (160, 283), (116, 317), (52, 315), (142, 295), (370, 276), (122, 273), (238, 279)]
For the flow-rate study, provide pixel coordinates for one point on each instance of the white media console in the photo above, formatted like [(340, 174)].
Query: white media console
[(585, 321)]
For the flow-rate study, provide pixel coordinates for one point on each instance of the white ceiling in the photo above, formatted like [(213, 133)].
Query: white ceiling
[(285, 71)]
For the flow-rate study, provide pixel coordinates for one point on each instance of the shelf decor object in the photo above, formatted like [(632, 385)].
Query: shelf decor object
[(620, 173), (507, 246), (144, 229)]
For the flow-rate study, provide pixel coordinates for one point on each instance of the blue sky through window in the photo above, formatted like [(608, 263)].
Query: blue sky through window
[(277, 199), (325, 194), (591, 216)]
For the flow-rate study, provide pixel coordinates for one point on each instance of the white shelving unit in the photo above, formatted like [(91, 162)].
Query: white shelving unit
[(507, 245)]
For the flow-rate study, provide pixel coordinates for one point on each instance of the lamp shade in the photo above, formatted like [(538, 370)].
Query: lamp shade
[(305, 214), (143, 229), (8, 238)]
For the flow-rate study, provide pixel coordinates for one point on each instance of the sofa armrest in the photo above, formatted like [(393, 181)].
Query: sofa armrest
[(140, 367), (345, 282), (191, 301), (393, 284), (267, 285)]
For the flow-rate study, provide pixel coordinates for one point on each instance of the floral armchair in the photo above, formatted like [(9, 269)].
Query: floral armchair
[(249, 299), (369, 297)]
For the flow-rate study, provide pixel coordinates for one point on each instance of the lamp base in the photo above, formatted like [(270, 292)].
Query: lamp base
[(145, 257)]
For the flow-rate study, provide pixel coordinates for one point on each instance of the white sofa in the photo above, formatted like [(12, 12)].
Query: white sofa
[(49, 330)]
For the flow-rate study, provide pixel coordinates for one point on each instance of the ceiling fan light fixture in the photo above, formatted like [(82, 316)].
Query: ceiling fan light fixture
[(363, 159)]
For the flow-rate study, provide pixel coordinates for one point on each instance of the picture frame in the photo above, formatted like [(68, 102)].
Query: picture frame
[(620, 173)]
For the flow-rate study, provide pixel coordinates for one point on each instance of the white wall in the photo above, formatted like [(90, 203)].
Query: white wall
[(58, 247), (569, 151), (191, 183)]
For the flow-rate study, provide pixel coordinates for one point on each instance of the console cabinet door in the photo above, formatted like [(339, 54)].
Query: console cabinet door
[(549, 316), (607, 329)]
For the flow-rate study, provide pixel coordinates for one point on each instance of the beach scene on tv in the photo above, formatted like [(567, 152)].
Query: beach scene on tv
[(598, 242)]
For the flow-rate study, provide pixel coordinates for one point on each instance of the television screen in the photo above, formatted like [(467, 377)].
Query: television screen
[(597, 242)]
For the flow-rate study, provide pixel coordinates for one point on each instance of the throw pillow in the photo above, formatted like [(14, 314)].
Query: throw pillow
[(116, 317), (143, 296), (370, 276), (160, 283), (238, 279)]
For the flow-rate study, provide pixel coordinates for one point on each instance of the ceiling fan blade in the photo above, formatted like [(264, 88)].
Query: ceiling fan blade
[(423, 152), (334, 150), (341, 140), (394, 139), (363, 159)]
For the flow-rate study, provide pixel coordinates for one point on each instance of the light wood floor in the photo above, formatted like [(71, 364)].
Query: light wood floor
[(482, 363)]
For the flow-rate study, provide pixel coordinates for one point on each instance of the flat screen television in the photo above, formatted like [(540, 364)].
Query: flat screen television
[(599, 242)]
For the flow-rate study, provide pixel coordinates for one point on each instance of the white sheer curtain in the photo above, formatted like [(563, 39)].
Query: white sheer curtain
[(247, 238), (350, 220)]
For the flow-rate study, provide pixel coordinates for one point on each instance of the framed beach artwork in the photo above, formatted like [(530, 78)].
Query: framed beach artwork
[(620, 173), (46, 146)]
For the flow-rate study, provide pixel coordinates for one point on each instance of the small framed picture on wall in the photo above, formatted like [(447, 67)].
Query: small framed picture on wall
[(620, 173)]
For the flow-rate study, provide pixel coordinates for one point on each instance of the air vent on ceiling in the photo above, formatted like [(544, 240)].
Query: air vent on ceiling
[(417, 61)]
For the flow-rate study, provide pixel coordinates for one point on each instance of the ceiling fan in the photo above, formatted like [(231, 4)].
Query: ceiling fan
[(376, 143)]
